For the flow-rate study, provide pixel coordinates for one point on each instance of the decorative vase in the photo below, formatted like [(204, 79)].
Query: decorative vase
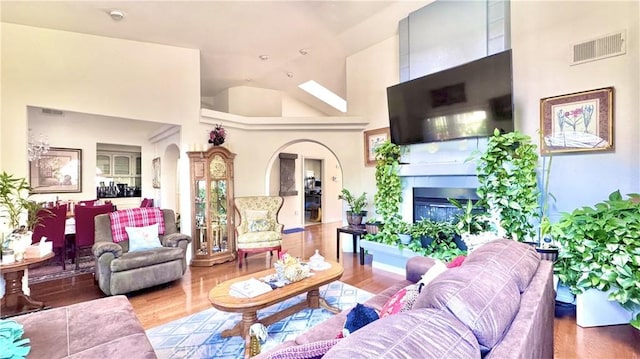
[(354, 219), (280, 271), (404, 238)]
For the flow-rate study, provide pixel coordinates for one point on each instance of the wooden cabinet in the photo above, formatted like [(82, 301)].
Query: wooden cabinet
[(213, 229)]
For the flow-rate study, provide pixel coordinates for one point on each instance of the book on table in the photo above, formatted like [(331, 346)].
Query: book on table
[(249, 288)]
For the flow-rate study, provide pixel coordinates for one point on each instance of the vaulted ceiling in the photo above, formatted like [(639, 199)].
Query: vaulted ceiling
[(232, 35)]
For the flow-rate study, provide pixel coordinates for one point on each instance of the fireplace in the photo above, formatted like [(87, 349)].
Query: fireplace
[(433, 202)]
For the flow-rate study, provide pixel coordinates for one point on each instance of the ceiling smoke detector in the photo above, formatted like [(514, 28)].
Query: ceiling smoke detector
[(117, 15), (303, 51), (264, 57)]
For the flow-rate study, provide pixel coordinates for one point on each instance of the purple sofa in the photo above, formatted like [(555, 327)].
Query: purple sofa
[(498, 304), (100, 328)]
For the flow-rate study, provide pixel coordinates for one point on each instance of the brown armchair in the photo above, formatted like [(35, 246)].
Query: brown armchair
[(258, 229)]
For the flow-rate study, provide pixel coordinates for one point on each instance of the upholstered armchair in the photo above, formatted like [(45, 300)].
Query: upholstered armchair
[(141, 258), (258, 229)]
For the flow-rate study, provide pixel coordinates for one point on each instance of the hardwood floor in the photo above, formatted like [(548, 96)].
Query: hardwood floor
[(163, 304)]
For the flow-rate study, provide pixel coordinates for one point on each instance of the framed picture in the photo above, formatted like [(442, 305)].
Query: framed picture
[(577, 122), (156, 172), (372, 139), (57, 171)]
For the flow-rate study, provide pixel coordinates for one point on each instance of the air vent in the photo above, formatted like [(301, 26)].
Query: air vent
[(52, 112), (600, 48)]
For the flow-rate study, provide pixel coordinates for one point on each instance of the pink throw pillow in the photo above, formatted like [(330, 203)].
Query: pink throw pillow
[(401, 301), (456, 262)]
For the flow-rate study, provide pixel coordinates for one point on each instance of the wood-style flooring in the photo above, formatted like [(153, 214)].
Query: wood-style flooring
[(163, 304)]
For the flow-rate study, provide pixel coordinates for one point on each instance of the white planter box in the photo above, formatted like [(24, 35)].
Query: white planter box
[(594, 309), (388, 258)]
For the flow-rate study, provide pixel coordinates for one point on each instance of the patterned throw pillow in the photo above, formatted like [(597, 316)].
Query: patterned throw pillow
[(259, 225), (143, 238), (310, 350), (402, 301)]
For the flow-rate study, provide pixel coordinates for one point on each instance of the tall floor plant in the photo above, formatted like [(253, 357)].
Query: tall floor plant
[(508, 183), (389, 191)]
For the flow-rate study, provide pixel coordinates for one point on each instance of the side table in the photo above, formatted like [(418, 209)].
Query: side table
[(15, 301), (356, 233)]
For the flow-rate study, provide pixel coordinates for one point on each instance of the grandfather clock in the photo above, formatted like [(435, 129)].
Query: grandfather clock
[(212, 206)]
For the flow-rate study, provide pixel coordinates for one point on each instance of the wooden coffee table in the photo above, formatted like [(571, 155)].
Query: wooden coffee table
[(220, 299)]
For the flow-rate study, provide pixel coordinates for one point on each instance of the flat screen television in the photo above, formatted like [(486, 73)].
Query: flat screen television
[(466, 101)]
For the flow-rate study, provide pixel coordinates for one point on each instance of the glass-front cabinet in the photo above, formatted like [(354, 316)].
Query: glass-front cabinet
[(212, 198)]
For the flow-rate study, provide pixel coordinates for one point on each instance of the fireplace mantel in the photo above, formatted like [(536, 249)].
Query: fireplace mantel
[(438, 169)]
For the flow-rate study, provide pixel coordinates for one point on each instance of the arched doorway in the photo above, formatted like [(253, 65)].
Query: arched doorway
[(170, 179), (327, 183)]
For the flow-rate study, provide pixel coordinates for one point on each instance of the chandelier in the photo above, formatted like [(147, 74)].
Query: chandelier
[(35, 149)]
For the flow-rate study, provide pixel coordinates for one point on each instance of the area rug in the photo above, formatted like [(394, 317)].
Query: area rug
[(198, 336), (53, 270)]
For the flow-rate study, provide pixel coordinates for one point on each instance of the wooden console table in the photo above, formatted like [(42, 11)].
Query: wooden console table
[(15, 301), (356, 233)]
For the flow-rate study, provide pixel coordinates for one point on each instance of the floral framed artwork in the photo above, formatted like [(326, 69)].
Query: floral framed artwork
[(577, 122), (57, 171), (156, 173), (372, 139)]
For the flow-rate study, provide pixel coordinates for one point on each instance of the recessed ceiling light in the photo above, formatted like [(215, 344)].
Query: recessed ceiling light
[(117, 15), (325, 95), (264, 57), (303, 51)]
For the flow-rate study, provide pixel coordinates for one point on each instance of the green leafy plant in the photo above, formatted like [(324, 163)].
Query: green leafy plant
[(471, 219), (599, 247), (356, 204), (404, 227), (508, 183), (442, 234), (14, 193), (388, 197)]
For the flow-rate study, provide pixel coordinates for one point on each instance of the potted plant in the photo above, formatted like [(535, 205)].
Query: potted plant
[(14, 203), (356, 206), (373, 225), (508, 183), (404, 232), (475, 225), (430, 232), (599, 249)]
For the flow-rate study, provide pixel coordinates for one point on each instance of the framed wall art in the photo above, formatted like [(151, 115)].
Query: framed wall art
[(156, 173), (57, 171), (372, 139), (577, 122)]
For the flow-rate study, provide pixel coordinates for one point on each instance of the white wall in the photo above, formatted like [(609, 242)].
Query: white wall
[(542, 37), (93, 75), (369, 73)]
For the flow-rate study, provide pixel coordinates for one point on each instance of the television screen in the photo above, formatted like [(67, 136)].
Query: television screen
[(470, 100)]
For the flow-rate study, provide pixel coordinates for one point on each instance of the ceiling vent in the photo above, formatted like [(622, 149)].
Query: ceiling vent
[(52, 112), (600, 48)]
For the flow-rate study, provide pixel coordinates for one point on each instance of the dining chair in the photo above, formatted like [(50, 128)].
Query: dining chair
[(146, 202), (51, 223), (85, 227), (88, 203)]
